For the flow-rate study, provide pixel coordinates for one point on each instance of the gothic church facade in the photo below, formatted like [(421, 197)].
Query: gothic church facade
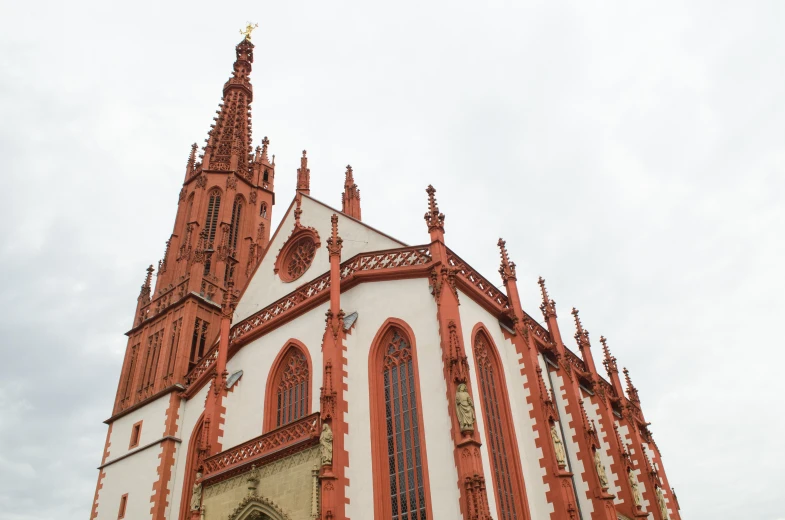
[(426, 392)]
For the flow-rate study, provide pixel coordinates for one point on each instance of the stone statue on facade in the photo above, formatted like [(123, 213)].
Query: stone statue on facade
[(465, 408), (661, 503), (196, 492), (636, 494), (558, 446), (326, 444), (600, 470)]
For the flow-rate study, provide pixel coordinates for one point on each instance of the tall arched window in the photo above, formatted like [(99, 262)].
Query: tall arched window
[(502, 446), (263, 210), (289, 387), (189, 208), (234, 232), (399, 464), (211, 221)]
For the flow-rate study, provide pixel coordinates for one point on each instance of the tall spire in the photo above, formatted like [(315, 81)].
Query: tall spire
[(611, 368), (304, 176), (548, 306), (351, 195), (190, 167), (433, 217), (229, 140), (144, 293), (632, 392), (581, 335), (507, 269)]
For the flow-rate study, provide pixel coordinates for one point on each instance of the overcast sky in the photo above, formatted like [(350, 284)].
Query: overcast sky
[(631, 153)]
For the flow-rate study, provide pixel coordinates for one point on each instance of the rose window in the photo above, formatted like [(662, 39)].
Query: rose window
[(298, 259)]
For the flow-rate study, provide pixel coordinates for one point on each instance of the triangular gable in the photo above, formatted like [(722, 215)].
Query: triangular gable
[(265, 286)]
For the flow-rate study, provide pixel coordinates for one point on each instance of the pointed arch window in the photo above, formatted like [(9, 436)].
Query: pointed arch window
[(289, 388), (234, 233), (502, 446), (400, 469), (263, 210), (211, 221)]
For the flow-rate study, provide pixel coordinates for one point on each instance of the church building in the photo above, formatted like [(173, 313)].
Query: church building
[(325, 370)]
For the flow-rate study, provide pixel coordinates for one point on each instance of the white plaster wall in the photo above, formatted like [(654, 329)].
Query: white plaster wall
[(265, 287), (410, 301), (575, 465), (530, 454), (245, 403), (134, 475), (154, 417), (593, 413), (190, 411)]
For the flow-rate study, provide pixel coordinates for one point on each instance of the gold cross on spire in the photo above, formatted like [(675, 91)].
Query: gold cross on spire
[(248, 30)]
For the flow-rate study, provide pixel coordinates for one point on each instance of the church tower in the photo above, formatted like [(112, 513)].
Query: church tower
[(222, 227)]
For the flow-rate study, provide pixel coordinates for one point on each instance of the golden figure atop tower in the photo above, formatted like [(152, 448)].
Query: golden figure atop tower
[(249, 27)]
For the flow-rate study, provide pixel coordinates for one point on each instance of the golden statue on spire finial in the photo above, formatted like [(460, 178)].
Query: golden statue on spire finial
[(248, 30)]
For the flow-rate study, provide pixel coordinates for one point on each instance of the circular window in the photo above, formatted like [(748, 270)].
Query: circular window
[(297, 259)]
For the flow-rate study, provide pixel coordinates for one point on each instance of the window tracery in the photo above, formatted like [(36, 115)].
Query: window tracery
[(402, 429), (298, 258), (292, 389), (211, 222), (499, 439)]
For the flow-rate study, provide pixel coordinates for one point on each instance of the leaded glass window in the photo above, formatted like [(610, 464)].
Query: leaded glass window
[(403, 430), (492, 403), (292, 391)]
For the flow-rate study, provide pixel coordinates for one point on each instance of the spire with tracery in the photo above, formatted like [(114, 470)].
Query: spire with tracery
[(229, 140), (351, 196), (304, 176)]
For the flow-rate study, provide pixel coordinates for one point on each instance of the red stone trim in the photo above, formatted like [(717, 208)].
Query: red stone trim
[(101, 473), (136, 434), (381, 484), (273, 377), (387, 264), (259, 447), (123, 505), (140, 449), (174, 388), (191, 466), (160, 495), (516, 468)]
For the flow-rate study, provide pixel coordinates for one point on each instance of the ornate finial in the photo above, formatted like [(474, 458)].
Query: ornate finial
[(609, 361), (297, 212), (434, 219), (189, 169), (507, 269), (548, 306), (632, 392), (334, 243), (229, 302), (350, 198), (265, 144), (249, 27), (582, 335), (144, 294), (304, 176)]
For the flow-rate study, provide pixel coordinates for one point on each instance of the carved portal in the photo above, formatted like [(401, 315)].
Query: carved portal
[(279, 490)]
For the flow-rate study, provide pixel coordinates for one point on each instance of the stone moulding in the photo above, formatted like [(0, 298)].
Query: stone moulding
[(278, 443)]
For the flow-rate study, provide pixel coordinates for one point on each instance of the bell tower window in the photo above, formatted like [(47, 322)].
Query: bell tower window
[(211, 222)]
